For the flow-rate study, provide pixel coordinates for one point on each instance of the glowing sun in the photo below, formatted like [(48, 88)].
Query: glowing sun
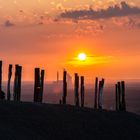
[(82, 56)]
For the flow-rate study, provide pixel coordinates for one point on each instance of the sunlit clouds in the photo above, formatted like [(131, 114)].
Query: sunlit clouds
[(54, 32)]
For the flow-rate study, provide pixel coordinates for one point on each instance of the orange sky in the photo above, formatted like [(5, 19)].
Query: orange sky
[(34, 35)]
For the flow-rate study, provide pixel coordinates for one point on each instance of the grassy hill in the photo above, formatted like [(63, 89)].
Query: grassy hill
[(32, 121)]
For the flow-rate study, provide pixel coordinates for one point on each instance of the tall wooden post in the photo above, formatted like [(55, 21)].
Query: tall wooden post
[(123, 106), (42, 85), (76, 89), (117, 97), (2, 94), (64, 87), (96, 92), (99, 91), (9, 82), (0, 76), (82, 91), (19, 83), (37, 84), (100, 94), (15, 83)]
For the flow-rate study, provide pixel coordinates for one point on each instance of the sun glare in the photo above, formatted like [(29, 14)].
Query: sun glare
[(82, 56)]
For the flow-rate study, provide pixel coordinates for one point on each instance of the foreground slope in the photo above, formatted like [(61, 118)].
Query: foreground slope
[(29, 121)]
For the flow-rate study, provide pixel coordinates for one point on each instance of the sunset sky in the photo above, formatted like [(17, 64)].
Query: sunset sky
[(51, 33)]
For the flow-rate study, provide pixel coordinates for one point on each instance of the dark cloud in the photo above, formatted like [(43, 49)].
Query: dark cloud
[(123, 9), (8, 23)]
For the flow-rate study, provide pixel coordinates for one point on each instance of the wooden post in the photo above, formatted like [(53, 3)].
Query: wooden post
[(2, 94), (0, 76), (100, 94), (37, 84), (42, 85), (117, 97), (82, 91), (64, 87), (9, 82), (99, 91), (96, 92), (19, 83), (123, 106), (15, 83), (0, 79), (76, 89)]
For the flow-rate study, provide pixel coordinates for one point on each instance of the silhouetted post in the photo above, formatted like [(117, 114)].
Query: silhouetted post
[(64, 87), (0, 76), (42, 85), (100, 94), (96, 92), (82, 91), (9, 82), (15, 83), (37, 84), (117, 97), (19, 83), (2, 94), (100, 82), (76, 89), (123, 106)]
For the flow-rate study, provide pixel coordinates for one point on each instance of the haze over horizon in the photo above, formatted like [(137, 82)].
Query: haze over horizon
[(51, 34)]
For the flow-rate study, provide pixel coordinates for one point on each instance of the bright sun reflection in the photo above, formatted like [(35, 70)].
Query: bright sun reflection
[(82, 56)]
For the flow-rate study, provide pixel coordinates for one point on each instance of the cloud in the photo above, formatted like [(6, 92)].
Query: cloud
[(131, 22), (8, 23), (123, 9)]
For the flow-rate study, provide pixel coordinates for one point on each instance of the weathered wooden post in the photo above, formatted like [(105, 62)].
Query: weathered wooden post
[(76, 89), (117, 97), (123, 106), (2, 94), (0, 76), (19, 83), (42, 85), (37, 84), (82, 91), (15, 83), (64, 87), (96, 92), (9, 82), (100, 94)]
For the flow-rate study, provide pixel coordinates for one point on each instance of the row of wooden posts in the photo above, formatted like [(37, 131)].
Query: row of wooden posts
[(98, 93), (79, 88)]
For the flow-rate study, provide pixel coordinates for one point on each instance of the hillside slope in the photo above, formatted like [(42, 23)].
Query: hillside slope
[(30, 121)]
